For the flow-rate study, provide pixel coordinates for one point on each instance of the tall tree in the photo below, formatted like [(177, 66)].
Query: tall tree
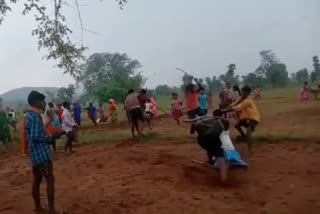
[(315, 74), (277, 75), (110, 75), (253, 80), (230, 75), (302, 75), (214, 84), (52, 31), (268, 58), (65, 94)]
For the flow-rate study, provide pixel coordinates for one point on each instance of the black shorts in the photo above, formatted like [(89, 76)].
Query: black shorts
[(44, 169), (136, 114), (195, 112), (248, 123), (212, 144)]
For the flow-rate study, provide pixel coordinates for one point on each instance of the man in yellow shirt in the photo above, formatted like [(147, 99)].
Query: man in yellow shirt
[(248, 113)]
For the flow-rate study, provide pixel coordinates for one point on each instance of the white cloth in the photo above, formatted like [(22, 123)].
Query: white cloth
[(226, 141), (67, 121), (148, 107)]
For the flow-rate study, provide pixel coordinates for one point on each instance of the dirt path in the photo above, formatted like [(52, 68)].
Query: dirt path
[(160, 178)]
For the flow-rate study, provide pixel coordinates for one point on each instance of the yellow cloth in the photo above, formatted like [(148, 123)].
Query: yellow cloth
[(248, 110)]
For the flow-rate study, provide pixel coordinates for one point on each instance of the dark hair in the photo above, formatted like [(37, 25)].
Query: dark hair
[(236, 88), (148, 100), (306, 82), (201, 89), (35, 96), (130, 91), (190, 87), (90, 104), (174, 94), (50, 105), (66, 104), (143, 91), (10, 114), (246, 89)]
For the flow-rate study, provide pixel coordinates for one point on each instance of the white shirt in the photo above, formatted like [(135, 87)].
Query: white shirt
[(67, 121), (148, 107)]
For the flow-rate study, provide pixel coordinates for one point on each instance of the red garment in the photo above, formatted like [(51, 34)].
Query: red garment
[(24, 144), (154, 106), (192, 101), (60, 112)]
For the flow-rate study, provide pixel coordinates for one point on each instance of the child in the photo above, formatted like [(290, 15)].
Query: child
[(113, 111), (148, 112), (92, 113), (68, 126), (249, 115), (203, 101), (176, 110), (39, 151), (304, 93)]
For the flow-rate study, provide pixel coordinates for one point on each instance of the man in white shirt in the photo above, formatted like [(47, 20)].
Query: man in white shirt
[(67, 125)]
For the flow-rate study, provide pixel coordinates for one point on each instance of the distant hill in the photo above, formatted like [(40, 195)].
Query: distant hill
[(19, 96)]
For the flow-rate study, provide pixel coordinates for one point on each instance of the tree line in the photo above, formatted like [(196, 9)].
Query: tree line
[(110, 75)]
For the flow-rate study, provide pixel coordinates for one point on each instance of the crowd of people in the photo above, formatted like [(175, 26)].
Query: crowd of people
[(43, 124)]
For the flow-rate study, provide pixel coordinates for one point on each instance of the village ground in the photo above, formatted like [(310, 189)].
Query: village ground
[(111, 173)]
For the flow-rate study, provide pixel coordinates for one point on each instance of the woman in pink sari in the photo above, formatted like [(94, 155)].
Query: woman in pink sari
[(304, 93)]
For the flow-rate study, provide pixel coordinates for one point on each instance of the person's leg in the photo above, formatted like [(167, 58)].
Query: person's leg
[(37, 178), (54, 145), (239, 128), (69, 141), (192, 114), (50, 187), (5, 142), (250, 129), (223, 166)]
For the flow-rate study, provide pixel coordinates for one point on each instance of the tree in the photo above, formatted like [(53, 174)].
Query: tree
[(163, 90), (302, 75), (110, 75), (51, 95), (253, 80), (52, 32), (315, 74), (277, 75), (65, 94), (230, 75), (214, 84), (268, 58)]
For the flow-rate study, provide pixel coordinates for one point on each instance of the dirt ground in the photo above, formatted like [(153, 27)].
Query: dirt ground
[(112, 174), (160, 178)]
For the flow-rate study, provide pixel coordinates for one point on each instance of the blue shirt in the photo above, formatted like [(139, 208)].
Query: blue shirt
[(203, 101), (92, 111), (38, 141), (77, 112)]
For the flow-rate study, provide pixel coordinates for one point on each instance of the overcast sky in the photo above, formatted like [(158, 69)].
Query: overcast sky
[(200, 36)]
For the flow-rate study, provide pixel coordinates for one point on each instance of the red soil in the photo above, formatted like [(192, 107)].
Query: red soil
[(161, 178)]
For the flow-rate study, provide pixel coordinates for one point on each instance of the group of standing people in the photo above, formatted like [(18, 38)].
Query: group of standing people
[(305, 90), (99, 115)]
